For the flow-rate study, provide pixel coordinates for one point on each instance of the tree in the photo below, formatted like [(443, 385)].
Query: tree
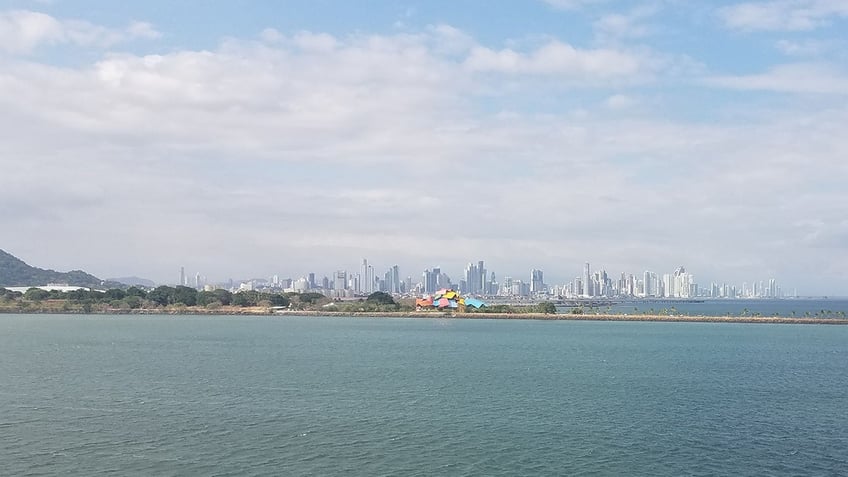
[(546, 307), (224, 296), (162, 296), (115, 294), (185, 295), (132, 301), (136, 291), (36, 294), (278, 300), (246, 298), (206, 297), (380, 298), (310, 297)]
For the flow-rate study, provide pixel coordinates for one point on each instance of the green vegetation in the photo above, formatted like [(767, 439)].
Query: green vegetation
[(164, 299), (376, 302), (545, 307)]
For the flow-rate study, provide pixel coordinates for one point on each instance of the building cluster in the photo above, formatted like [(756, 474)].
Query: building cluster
[(476, 280)]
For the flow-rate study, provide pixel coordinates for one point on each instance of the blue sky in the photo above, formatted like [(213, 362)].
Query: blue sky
[(258, 138)]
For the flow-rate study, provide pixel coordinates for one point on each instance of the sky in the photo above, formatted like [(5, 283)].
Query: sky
[(253, 138)]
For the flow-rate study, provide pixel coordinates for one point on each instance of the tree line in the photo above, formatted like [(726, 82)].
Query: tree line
[(162, 296)]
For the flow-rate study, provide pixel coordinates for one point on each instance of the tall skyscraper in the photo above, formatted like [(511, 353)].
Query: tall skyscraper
[(481, 281), (470, 279), (367, 278), (182, 276), (428, 281), (395, 280), (587, 280), (537, 283)]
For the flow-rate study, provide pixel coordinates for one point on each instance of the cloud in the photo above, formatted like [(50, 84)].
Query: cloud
[(305, 151), (805, 47), (613, 27), (22, 31), (782, 15), (815, 78), (560, 59), (573, 4), (620, 101)]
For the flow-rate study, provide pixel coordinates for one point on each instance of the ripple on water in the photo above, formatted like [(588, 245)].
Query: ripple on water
[(307, 396)]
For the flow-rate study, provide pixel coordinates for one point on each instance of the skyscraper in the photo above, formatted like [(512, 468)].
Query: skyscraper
[(182, 276), (340, 281), (366, 282), (537, 284), (481, 281), (470, 279), (587, 281), (428, 282)]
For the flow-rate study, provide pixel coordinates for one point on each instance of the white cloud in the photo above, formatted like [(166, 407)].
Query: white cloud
[(804, 47), (315, 149), (782, 15), (573, 4), (617, 25), (22, 31), (628, 25), (143, 30), (620, 101), (816, 78), (561, 59)]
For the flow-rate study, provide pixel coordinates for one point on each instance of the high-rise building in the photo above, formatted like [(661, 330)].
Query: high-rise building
[(481, 281), (668, 285), (537, 284), (366, 281), (340, 281), (428, 281), (470, 279), (182, 276), (395, 286), (587, 281)]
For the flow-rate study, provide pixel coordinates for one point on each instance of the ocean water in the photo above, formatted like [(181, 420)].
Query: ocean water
[(150, 395), (800, 307)]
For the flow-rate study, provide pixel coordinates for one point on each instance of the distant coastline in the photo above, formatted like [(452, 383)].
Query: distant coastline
[(260, 311)]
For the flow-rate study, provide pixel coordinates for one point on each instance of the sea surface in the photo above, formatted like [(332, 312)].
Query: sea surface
[(217, 395), (788, 307)]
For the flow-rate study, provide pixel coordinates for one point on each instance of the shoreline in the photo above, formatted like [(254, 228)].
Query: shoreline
[(257, 311)]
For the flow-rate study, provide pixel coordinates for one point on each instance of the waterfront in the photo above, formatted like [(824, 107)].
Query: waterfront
[(194, 395)]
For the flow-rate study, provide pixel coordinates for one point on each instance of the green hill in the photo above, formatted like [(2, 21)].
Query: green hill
[(15, 272)]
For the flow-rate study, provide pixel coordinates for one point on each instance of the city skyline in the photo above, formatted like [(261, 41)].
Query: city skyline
[(477, 280), (245, 139)]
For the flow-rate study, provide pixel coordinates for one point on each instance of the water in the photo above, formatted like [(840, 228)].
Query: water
[(148, 395), (800, 308)]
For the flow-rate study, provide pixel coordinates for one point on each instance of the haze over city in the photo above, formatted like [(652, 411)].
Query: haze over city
[(300, 136)]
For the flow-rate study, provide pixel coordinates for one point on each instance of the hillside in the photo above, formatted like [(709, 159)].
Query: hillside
[(15, 272), (133, 282)]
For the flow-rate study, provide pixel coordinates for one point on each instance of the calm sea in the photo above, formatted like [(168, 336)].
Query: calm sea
[(795, 307), (147, 395)]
